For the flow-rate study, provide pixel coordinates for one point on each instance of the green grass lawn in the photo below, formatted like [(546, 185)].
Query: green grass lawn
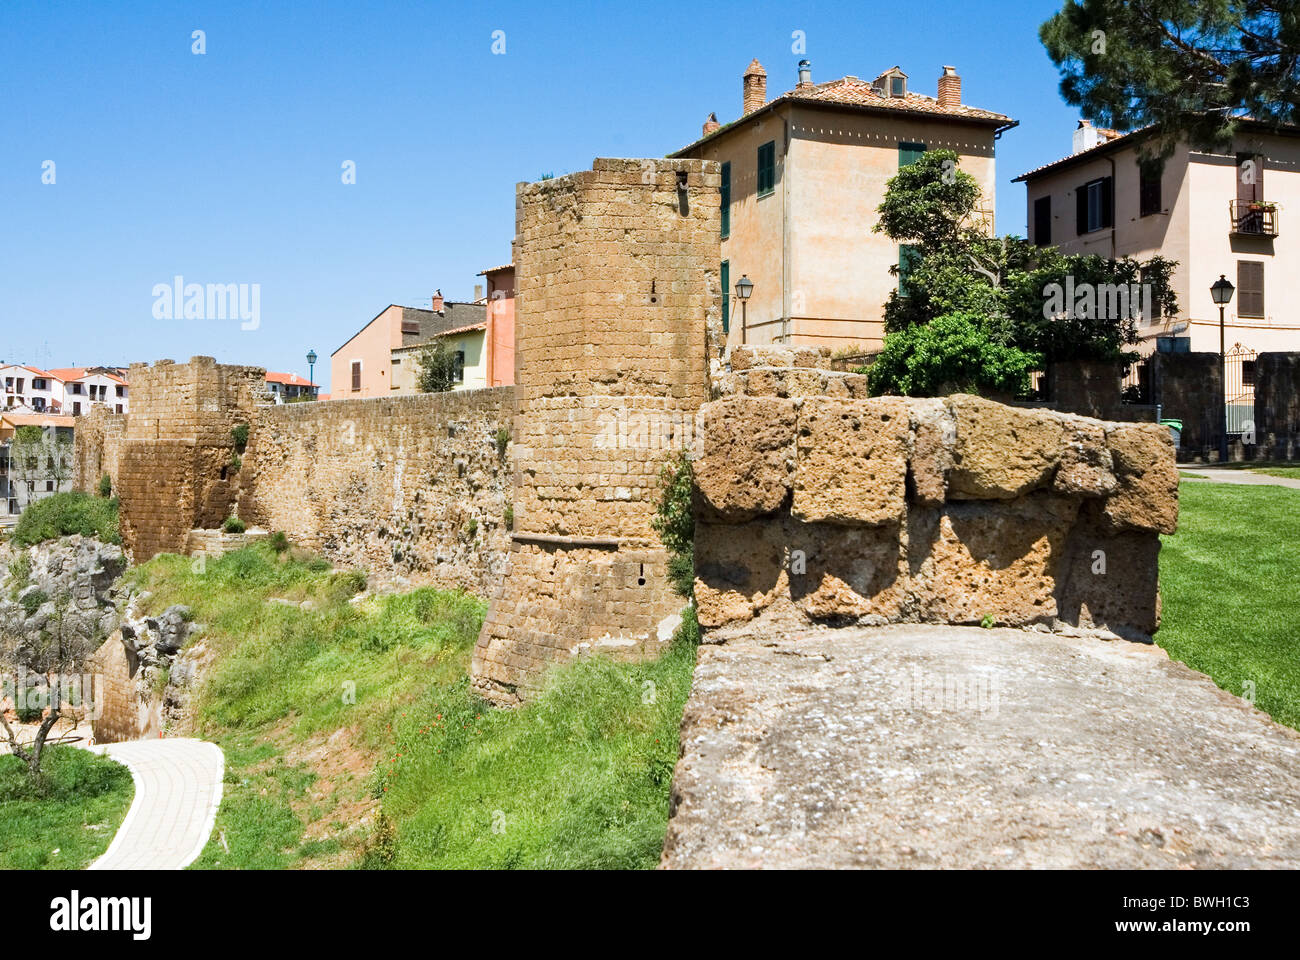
[(1228, 582), (69, 818), (352, 737), (1291, 472)]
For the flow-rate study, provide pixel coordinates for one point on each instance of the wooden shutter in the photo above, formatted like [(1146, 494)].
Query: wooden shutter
[(356, 374), (1043, 221), (1250, 288), (1249, 192), (725, 275), (909, 153), (726, 202), (767, 168)]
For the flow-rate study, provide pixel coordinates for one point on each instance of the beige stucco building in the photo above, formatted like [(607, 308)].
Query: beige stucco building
[(803, 174), (468, 344), (363, 366), (1215, 212)]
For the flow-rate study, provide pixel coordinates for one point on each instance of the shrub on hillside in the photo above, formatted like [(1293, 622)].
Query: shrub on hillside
[(64, 514)]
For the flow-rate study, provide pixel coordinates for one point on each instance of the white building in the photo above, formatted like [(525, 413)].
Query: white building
[(84, 387), (30, 388)]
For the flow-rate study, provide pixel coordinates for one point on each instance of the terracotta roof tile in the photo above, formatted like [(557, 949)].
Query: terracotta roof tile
[(857, 92)]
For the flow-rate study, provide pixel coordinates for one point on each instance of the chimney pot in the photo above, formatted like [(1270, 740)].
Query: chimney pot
[(437, 302), (805, 74), (1086, 136), (754, 87), (711, 124), (949, 88)]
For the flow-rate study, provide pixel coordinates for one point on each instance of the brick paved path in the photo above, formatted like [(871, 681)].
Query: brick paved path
[(177, 792)]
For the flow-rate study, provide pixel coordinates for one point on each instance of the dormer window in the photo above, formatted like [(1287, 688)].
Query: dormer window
[(891, 83)]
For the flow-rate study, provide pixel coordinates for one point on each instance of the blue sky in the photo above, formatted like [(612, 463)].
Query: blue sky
[(226, 167)]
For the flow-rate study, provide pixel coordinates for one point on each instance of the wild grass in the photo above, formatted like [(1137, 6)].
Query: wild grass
[(64, 514), (578, 777), (67, 818)]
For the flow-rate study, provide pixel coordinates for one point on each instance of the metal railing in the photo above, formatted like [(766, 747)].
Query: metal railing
[(1239, 384), (1253, 218)]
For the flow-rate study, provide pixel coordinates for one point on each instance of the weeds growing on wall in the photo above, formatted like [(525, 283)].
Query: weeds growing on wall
[(674, 521)]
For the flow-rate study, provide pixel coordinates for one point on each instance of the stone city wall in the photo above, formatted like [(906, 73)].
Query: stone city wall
[(953, 510), (617, 299), (97, 447), (416, 486), (175, 458)]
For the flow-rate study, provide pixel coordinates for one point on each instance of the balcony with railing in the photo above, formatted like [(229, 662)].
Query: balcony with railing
[(1253, 218)]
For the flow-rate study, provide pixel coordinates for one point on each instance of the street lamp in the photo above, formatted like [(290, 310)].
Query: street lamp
[(744, 287), (1221, 290), (311, 373)]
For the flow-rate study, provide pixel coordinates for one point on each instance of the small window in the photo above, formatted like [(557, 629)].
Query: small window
[(1149, 173), (1250, 288), (1043, 221), (1094, 205), (897, 86), (767, 168), (356, 375), (726, 201), (725, 276), (909, 153), (460, 366)]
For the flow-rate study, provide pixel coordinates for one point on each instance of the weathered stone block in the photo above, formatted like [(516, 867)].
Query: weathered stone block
[(851, 466), (1087, 466), (1001, 452), (745, 461), (1147, 498)]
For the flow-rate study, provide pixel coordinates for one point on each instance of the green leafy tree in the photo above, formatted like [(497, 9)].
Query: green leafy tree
[(950, 354), (1006, 283), (1182, 67), (437, 368), (38, 455)]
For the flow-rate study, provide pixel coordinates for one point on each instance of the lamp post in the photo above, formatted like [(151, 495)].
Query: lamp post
[(744, 287), (311, 373), (1221, 290)]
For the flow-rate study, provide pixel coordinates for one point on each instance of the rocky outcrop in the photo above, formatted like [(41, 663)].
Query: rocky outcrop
[(953, 510), (58, 602), (152, 667)]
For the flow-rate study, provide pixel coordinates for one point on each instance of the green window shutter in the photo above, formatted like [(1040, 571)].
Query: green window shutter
[(726, 200), (726, 296), (909, 153), (907, 257), (767, 168)]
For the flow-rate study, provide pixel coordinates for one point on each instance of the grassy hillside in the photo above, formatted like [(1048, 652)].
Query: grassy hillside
[(352, 737)]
